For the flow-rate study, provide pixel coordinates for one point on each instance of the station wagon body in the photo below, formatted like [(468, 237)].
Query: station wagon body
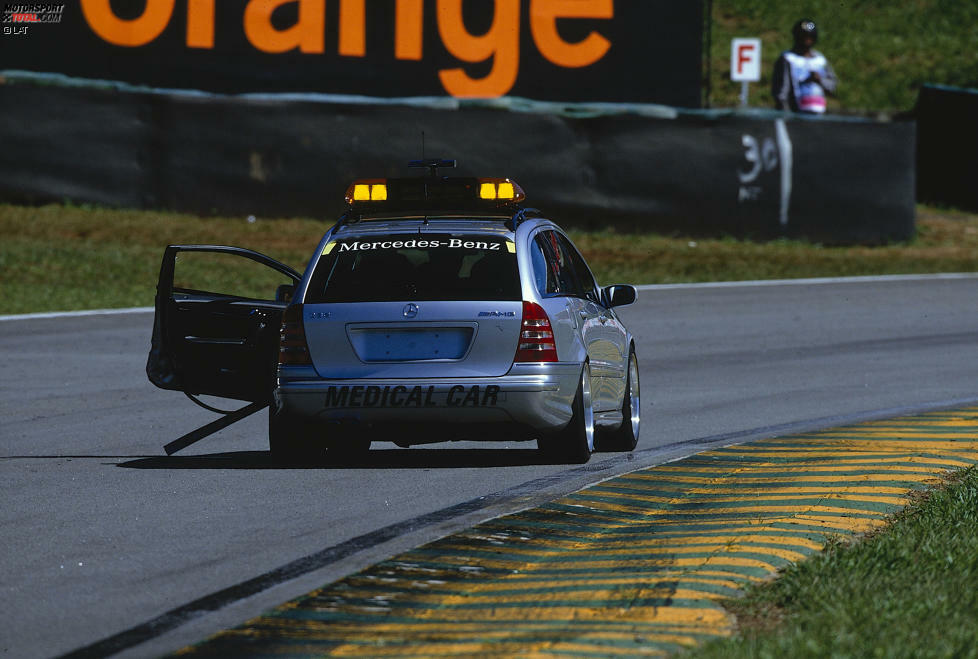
[(436, 309)]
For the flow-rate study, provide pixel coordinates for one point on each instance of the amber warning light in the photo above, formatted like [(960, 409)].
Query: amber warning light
[(500, 189), (367, 190)]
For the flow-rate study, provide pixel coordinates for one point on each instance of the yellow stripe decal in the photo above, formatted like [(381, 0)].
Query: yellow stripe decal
[(636, 565)]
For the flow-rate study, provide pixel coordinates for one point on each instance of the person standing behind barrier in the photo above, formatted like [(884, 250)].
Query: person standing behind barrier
[(802, 75)]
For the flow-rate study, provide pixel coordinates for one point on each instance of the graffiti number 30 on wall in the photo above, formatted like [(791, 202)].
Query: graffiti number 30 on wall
[(764, 157)]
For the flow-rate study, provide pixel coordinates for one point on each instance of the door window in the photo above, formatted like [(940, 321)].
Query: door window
[(587, 286), (560, 275), (543, 271), (225, 274)]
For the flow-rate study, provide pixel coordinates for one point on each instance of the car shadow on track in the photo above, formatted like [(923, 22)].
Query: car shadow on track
[(375, 459)]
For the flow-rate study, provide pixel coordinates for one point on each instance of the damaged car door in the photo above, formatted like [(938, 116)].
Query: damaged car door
[(218, 317)]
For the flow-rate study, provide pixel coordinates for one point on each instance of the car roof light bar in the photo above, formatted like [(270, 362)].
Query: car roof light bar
[(433, 193)]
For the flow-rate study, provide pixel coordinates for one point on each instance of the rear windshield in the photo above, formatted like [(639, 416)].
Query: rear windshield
[(403, 267)]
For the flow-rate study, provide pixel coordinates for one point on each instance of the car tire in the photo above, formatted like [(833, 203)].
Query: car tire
[(291, 439), (626, 437), (574, 443)]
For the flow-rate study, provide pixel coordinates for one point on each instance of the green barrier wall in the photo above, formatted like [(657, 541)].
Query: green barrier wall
[(762, 174)]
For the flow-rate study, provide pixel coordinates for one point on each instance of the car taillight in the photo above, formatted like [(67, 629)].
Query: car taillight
[(292, 348), (536, 336)]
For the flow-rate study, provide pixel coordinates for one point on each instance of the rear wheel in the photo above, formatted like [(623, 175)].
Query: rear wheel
[(574, 443), (626, 437), (291, 438)]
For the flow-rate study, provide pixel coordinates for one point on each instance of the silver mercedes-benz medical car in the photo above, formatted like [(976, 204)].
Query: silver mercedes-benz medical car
[(435, 309)]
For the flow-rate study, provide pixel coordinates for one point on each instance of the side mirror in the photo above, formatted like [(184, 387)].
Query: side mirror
[(618, 295), (284, 293)]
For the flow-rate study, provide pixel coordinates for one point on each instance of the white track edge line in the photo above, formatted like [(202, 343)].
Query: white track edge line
[(74, 314), (815, 281)]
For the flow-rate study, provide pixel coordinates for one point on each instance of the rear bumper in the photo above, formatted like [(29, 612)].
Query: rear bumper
[(535, 396)]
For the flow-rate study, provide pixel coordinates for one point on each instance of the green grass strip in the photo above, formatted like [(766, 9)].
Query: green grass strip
[(64, 258), (911, 591)]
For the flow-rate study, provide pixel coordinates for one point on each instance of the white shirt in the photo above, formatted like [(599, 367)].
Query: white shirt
[(809, 94)]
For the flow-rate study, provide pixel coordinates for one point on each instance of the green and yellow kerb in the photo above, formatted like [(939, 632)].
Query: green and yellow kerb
[(635, 565)]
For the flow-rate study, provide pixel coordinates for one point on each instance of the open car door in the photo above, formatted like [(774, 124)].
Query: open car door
[(218, 316)]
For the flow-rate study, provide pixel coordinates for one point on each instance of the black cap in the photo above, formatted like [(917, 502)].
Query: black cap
[(805, 28)]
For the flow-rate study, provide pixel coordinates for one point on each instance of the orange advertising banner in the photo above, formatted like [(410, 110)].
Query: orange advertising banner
[(645, 51)]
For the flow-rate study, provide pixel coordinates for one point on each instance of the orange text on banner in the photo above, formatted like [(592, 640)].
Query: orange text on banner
[(500, 43)]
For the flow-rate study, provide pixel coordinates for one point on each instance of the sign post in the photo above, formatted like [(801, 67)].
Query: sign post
[(745, 64)]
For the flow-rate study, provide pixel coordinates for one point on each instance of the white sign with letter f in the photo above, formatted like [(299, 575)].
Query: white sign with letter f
[(745, 60), (745, 64)]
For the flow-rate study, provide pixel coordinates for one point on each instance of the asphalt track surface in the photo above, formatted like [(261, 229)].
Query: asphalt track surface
[(109, 545)]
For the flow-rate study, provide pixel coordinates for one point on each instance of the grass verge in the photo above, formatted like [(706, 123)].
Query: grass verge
[(906, 591), (61, 258)]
